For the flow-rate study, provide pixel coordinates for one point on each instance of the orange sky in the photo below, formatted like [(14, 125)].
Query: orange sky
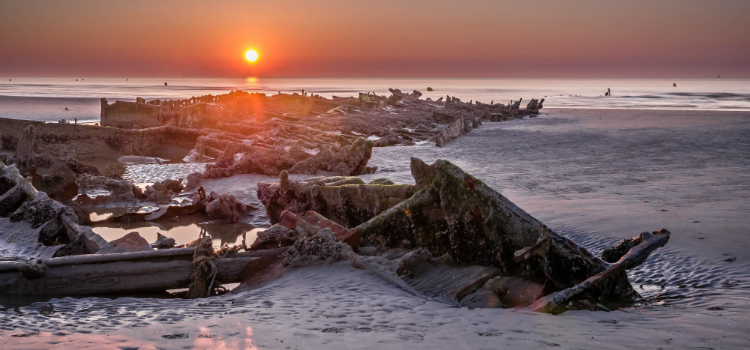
[(471, 38)]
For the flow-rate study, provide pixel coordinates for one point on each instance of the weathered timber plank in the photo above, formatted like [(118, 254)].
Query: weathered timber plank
[(117, 277)]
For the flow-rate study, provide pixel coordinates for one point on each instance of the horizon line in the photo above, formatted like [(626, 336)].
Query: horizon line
[(372, 77)]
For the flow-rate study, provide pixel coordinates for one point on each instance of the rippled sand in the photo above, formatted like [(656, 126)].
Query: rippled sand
[(595, 176)]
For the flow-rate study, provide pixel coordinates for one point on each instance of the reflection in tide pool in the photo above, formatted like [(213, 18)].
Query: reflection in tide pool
[(230, 234), (94, 216)]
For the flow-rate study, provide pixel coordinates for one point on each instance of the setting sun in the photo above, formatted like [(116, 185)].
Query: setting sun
[(251, 55)]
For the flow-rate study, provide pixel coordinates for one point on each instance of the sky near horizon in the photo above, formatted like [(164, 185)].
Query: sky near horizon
[(469, 38)]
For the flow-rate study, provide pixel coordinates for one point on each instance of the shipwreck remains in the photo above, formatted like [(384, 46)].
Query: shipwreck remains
[(244, 132), (278, 131), (447, 224), (456, 222), (450, 236)]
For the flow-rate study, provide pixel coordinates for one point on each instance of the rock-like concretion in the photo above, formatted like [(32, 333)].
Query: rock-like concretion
[(315, 244), (59, 183), (163, 242), (224, 207), (87, 242), (162, 192), (193, 181), (131, 242)]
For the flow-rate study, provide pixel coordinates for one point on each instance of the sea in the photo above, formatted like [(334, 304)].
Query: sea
[(53, 99)]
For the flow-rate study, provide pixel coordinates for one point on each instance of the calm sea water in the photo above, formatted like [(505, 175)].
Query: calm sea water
[(47, 98)]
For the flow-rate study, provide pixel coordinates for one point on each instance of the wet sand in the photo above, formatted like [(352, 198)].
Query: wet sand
[(596, 176)]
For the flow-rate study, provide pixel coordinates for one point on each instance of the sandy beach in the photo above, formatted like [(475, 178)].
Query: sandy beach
[(595, 176)]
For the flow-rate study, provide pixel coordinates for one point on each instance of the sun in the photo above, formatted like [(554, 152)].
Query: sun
[(251, 55)]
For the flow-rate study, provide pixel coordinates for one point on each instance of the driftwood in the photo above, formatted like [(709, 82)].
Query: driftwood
[(137, 272)]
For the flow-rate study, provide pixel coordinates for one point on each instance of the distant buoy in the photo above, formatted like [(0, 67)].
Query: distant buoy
[(674, 84)]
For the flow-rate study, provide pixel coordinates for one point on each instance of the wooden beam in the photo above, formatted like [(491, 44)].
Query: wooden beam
[(137, 272)]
